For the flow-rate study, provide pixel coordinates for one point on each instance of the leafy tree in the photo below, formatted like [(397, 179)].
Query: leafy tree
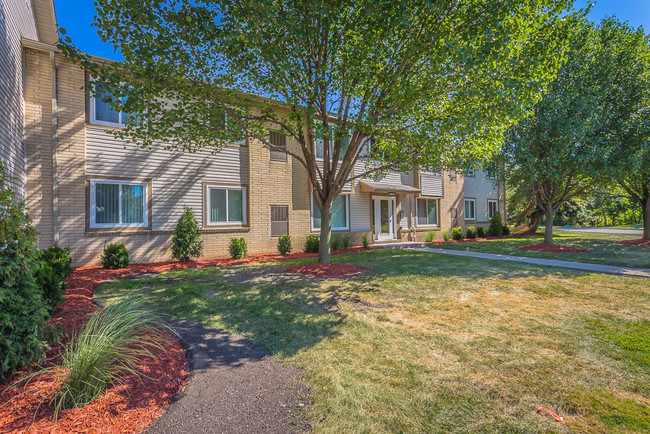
[(429, 83)]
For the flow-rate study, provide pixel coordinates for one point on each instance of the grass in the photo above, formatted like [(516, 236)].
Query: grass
[(603, 248), (433, 343)]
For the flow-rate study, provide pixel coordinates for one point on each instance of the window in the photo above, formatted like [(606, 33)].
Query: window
[(279, 220), (320, 146), (470, 209), (279, 140), (101, 110), (427, 212), (493, 208), (339, 214), (118, 204), (226, 205)]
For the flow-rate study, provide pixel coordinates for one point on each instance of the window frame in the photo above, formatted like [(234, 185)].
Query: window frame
[(92, 196), (283, 221), (93, 112), (465, 200), (435, 225), (274, 154), (496, 203), (347, 215), (208, 204)]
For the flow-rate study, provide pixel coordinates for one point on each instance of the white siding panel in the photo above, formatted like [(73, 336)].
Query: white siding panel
[(481, 188), (177, 177), (431, 185)]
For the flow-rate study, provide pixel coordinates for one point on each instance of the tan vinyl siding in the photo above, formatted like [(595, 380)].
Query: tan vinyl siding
[(431, 185), (481, 188), (177, 177)]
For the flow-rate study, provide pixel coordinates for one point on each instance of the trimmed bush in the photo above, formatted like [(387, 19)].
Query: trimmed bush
[(345, 241), (505, 231), (446, 235), (186, 242), (365, 240), (470, 233), (23, 311), (51, 275), (430, 237), (457, 233), (480, 232), (496, 225), (238, 248), (335, 242), (312, 244), (115, 256), (284, 244)]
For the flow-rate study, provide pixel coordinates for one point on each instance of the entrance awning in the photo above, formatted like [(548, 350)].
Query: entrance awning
[(382, 187)]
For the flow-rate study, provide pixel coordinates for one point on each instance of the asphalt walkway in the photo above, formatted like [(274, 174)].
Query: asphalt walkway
[(593, 268)]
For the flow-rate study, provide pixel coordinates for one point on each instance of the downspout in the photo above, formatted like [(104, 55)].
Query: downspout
[(55, 168)]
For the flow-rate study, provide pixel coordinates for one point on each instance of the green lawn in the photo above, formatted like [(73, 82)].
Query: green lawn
[(434, 343), (604, 248)]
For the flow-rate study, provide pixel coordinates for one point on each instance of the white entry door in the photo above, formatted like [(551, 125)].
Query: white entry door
[(384, 218)]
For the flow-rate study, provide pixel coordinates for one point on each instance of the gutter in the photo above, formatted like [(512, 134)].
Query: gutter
[(55, 142)]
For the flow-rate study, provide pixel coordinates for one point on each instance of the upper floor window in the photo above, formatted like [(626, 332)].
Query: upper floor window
[(493, 208), (340, 221), (102, 111), (319, 144), (279, 141), (226, 205), (470, 209), (118, 203)]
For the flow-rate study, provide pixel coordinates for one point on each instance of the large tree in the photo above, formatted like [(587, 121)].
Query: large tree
[(429, 83)]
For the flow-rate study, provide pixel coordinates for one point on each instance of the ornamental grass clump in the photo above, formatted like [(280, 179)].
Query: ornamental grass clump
[(365, 240), (430, 237), (346, 240)]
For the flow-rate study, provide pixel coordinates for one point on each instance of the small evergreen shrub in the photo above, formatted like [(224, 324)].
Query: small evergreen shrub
[(496, 225), (52, 274), (186, 242), (430, 237), (457, 233), (115, 256), (312, 244), (480, 232), (284, 244), (345, 241), (446, 235), (22, 310), (365, 240), (238, 248), (335, 242), (470, 233), (505, 231)]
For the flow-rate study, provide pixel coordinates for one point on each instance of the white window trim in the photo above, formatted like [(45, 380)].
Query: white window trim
[(347, 215), (93, 114), (496, 202), (437, 225), (209, 205), (93, 196), (464, 207)]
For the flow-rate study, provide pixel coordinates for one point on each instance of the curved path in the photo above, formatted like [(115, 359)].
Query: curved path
[(602, 230), (234, 387)]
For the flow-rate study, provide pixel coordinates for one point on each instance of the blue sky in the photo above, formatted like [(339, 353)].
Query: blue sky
[(76, 17)]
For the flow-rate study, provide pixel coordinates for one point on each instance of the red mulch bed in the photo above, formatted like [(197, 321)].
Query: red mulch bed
[(552, 248), (129, 407), (639, 242), (469, 240), (333, 269)]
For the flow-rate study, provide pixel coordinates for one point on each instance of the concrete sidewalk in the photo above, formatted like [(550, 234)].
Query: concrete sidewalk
[(602, 230), (593, 268)]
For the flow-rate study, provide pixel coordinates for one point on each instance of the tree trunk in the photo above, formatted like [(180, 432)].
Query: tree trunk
[(548, 229), (604, 216), (535, 223), (324, 256), (646, 219)]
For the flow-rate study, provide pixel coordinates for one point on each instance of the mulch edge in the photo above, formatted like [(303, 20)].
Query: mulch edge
[(637, 242)]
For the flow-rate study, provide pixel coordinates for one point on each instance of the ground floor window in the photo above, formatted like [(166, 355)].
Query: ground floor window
[(226, 205), (339, 214), (493, 208), (118, 203), (427, 212), (470, 209)]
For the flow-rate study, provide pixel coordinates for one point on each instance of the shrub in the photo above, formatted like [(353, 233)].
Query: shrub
[(312, 244), (335, 242), (345, 241), (430, 236), (22, 310), (238, 248), (496, 225), (109, 346), (480, 232), (365, 240), (115, 256), (446, 235), (51, 275), (457, 233), (505, 231), (186, 242), (284, 244), (471, 232)]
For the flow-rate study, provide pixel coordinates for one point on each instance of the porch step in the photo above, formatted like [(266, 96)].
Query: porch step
[(392, 244)]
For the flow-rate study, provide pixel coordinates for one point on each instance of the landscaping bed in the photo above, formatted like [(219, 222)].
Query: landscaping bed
[(639, 242)]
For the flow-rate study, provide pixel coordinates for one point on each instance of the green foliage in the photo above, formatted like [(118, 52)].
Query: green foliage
[(186, 241), (365, 240), (284, 244), (506, 230), (446, 235), (23, 311), (345, 241), (471, 232), (457, 233), (495, 229), (480, 232), (115, 256), (52, 274), (430, 236), (312, 244), (335, 242), (238, 248)]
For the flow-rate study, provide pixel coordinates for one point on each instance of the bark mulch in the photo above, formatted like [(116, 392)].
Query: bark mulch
[(333, 269), (552, 248), (639, 242), (128, 407)]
